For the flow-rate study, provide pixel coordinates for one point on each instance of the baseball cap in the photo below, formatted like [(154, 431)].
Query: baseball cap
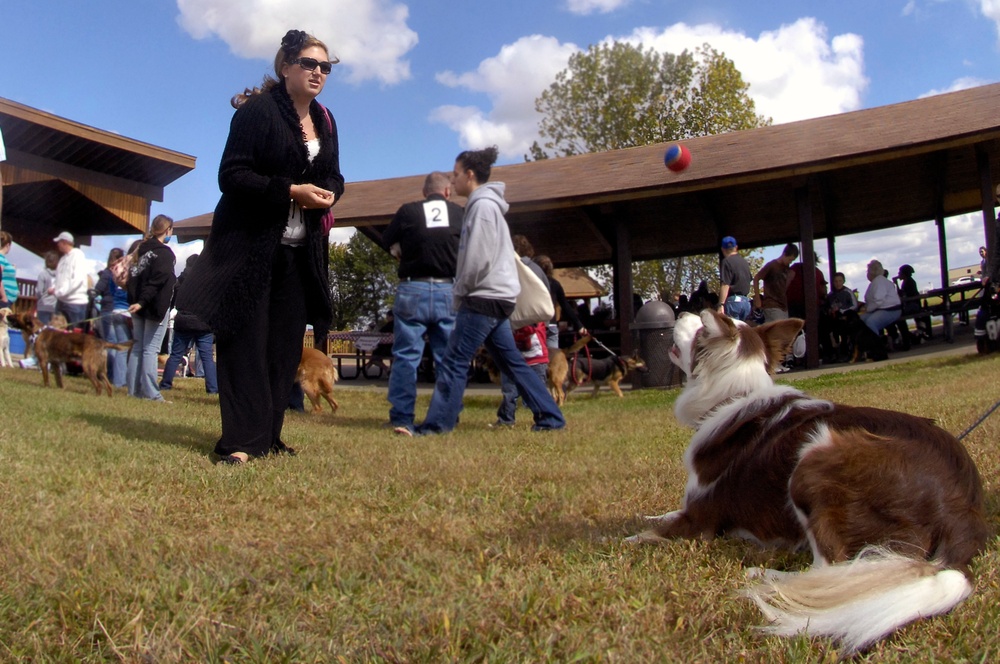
[(64, 237), (728, 242)]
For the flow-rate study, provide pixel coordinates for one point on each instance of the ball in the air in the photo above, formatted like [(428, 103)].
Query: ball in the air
[(677, 157)]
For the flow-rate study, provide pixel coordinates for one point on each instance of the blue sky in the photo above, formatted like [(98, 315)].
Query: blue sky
[(420, 82)]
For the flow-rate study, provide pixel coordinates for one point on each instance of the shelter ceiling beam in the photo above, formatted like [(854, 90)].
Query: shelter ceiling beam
[(30, 167)]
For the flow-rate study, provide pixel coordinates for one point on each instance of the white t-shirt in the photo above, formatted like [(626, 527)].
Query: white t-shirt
[(295, 231)]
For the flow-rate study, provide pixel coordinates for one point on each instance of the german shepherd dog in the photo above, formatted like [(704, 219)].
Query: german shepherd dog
[(890, 505), (317, 375), (54, 347), (607, 371)]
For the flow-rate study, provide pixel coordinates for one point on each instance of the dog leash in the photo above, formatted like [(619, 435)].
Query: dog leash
[(81, 322), (979, 421), (598, 342), (590, 367)]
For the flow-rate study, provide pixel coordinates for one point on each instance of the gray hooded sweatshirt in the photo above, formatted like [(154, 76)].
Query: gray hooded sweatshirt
[(485, 267)]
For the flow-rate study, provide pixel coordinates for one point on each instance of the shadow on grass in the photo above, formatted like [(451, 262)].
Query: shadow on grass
[(179, 435)]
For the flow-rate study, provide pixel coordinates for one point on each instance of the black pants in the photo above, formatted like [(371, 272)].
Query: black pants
[(257, 365)]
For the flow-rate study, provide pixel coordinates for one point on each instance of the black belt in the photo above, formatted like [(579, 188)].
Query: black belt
[(431, 280)]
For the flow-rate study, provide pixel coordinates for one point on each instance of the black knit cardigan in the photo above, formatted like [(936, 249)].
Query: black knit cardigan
[(151, 281), (264, 156)]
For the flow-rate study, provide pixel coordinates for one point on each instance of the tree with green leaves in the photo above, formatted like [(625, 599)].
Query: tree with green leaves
[(362, 283), (618, 95)]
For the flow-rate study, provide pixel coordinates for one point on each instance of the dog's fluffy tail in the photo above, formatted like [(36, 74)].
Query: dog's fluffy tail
[(860, 601)]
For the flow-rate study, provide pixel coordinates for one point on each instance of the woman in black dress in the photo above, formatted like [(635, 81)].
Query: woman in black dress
[(262, 276)]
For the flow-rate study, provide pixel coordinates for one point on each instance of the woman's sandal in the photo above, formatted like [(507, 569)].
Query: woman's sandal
[(235, 459), (279, 448)]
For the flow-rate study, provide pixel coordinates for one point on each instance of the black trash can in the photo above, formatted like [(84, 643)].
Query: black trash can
[(654, 325)]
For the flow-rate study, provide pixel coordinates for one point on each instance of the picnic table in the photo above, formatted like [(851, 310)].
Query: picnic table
[(364, 342), (959, 299)]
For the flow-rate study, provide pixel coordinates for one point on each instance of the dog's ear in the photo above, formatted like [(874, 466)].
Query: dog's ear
[(778, 337), (718, 325)]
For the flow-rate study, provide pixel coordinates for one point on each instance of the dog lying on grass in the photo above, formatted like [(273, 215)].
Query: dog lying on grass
[(317, 375), (53, 347), (890, 505)]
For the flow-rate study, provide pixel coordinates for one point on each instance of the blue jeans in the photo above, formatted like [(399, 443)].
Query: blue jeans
[(74, 313), (880, 319), (420, 307), (508, 390), (114, 329), (148, 335), (179, 346), (737, 307), (472, 330)]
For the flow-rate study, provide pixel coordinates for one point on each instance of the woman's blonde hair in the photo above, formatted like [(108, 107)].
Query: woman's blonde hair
[(161, 224), (293, 43)]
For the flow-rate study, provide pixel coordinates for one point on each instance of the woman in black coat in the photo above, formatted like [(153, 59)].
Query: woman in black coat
[(262, 276), (150, 285)]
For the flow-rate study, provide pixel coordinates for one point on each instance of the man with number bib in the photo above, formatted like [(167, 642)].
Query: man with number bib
[(424, 237)]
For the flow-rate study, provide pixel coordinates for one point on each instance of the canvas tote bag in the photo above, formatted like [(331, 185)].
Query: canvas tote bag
[(534, 303)]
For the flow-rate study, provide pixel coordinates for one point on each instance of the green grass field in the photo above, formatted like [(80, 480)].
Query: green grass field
[(120, 541)]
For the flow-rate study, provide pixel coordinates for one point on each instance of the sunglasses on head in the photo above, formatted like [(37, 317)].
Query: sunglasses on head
[(310, 64)]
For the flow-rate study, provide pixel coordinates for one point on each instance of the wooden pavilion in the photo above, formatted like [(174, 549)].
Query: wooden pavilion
[(61, 175), (866, 170)]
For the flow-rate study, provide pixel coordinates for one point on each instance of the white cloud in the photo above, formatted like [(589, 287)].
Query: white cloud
[(795, 72), (369, 36), (963, 83), (991, 10), (915, 245), (586, 7), (512, 79)]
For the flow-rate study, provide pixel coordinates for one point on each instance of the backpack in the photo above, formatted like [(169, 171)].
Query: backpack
[(122, 269)]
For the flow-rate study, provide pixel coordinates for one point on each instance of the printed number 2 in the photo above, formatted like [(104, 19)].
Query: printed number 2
[(436, 214), (992, 328)]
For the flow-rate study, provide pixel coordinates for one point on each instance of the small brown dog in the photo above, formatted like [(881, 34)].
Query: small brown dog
[(53, 346), (555, 373), (558, 369), (606, 371), (317, 375)]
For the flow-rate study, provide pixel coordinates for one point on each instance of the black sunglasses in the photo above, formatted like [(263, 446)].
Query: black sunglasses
[(310, 64)]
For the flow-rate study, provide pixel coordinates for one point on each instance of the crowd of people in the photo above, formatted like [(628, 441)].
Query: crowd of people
[(263, 278), (849, 329)]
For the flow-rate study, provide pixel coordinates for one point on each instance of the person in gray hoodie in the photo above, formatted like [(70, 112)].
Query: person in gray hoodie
[(485, 291)]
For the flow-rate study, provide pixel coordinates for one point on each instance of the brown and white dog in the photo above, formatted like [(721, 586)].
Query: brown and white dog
[(890, 505), (317, 375)]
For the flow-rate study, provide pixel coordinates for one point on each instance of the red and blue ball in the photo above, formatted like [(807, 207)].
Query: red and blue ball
[(677, 158)]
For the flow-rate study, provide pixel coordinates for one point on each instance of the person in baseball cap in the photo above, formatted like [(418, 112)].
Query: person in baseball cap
[(736, 280), (70, 286)]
